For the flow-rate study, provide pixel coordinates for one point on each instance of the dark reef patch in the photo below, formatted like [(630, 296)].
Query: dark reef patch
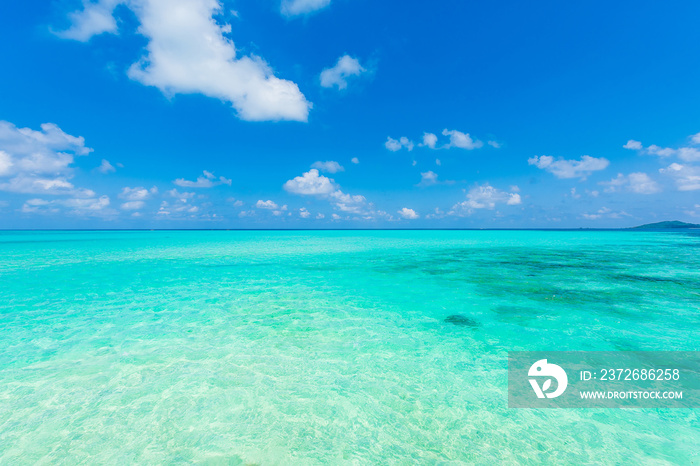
[(462, 321)]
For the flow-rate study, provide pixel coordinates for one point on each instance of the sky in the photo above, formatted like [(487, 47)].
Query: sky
[(348, 114)]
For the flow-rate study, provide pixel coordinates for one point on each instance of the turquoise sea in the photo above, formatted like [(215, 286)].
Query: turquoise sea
[(262, 347)]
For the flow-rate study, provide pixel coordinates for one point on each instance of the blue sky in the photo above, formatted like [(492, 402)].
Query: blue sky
[(348, 114)]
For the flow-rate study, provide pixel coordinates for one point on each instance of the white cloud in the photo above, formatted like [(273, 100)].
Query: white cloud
[(428, 178), (301, 7), (106, 167), (133, 205), (660, 151), (335, 217), (89, 206), (328, 167), (392, 144), (187, 53), (569, 168), (313, 184), (310, 183), (304, 213), (207, 180), (95, 18), (338, 75), (269, 205), (40, 162), (495, 144), (320, 216), (349, 203), (605, 212), (639, 183), (461, 140), (355, 160), (689, 154), (396, 145), (235, 202), (687, 177), (484, 197), (407, 213), (5, 163), (50, 186), (181, 196), (633, 145), (137, 194), (135, 197), (437, 213), (429, 140)]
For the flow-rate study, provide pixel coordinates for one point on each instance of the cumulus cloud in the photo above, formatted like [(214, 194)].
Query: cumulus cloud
[(269, 205), (484, 197), (93, 19), (338, 75), (660, 151), (569, 168), (456, 139), (133, 205), (428, 178), (137, 194), (135, 197), (77, 206), (429, 140), (407, 213), (397, 144), (106, 167), (27, 184), (304, 213), (461, 140), (687, 177), (605, 212), (235, 202), (354, 204), (633, 145), (685, 153), (495, 144), (187, 53), (355, 160), (40, 162), (310, 183), (639, 183), (183, 196), (328, 167), (207, 180), (291, 8)]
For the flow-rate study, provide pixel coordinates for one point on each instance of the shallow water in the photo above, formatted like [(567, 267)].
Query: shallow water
[(330, 347)]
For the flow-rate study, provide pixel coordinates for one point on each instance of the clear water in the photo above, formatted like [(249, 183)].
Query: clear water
[(330, 347)]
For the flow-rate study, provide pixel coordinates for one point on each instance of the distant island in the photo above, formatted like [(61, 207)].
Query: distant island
[(672, 225)]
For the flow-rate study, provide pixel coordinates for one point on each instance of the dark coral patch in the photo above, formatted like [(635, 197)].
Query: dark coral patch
[(462, 321)]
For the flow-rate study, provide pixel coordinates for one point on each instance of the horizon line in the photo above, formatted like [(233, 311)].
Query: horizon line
[(347, 229)]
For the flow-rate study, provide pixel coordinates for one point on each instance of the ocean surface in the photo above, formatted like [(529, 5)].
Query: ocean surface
[(345, 347)]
